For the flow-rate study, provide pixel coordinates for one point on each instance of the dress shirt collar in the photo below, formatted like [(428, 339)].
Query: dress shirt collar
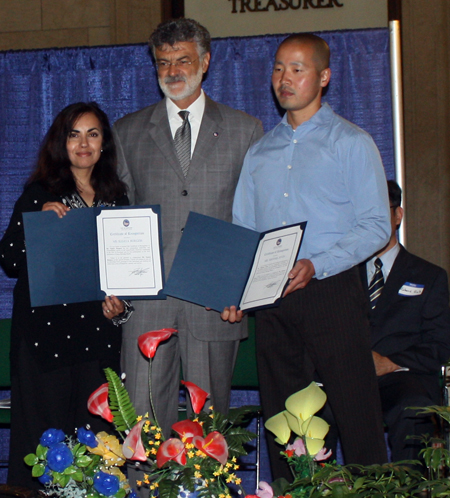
[(321, 117), (196, 111), (387, 259)]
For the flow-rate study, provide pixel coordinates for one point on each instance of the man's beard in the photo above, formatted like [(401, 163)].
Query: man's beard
[(191, 85)]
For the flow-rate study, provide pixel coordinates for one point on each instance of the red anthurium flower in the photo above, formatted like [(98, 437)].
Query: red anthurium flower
[(187, 429), (213, 445), (98, 403), (172, 449), (198, 395), (149, 341), (132, 447)]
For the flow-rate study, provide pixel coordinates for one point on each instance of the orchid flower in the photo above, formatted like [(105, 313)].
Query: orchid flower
[(322, 455), (172, 449), (187, 429), (264, 490), (149, 341), (133, 449), (213, 445), (98, 403), (198, 396)]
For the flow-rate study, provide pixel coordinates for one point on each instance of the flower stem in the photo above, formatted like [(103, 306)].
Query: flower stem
[(150, 391)]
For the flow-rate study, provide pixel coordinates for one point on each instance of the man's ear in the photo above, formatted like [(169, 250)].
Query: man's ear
[(205, 62), (398, 216), (325, 76)]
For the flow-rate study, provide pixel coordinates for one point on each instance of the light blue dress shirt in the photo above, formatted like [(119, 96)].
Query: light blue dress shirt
[(327, 172)]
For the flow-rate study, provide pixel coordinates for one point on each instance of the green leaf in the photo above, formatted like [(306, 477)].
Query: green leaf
[(168, 489), (70, 470), (41, 452), (77, 476), (78, 450), (121, 493), (119, 402), (83, 461), (38, 470), (31, 459)]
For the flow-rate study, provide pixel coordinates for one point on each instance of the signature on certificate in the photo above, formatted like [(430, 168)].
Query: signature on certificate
[(140, 271), (271, 284)]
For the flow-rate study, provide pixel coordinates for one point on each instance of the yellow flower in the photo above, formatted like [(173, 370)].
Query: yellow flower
[(153, 451), (212, 415), (153, 427), (157, 443), (197, 466), (189, 446), (139, 418), (234, 460), (146, 429), (190, 454), (236, 467), (158, 436), (147, 423), (139, 483), (238, 481), (197, 474), (211, 408), (109, 448)]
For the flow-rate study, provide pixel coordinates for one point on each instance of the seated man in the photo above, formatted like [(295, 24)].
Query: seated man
[(410, 324)]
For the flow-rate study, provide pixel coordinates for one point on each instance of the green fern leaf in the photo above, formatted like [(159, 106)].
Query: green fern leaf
[(119, 402)]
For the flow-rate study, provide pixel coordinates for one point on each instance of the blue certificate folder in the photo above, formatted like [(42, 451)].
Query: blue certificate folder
[(213, 262), (62, 256)]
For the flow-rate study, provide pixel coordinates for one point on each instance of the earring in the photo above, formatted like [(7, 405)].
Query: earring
[(101, 150)]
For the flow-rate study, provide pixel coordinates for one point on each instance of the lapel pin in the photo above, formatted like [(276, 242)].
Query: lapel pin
[(216, 134)]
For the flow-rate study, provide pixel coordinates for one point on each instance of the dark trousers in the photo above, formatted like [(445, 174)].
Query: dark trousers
[(399, 391), (48, 400), (322, 330)]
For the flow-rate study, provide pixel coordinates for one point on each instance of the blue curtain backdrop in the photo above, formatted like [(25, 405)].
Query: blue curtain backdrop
[(35, 85)]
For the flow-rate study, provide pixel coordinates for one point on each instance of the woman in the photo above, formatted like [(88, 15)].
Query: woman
[(58, 352)]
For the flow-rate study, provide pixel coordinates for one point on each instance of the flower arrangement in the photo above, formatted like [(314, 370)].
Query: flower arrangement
[(314, 479), (201, 457), (87, 465)]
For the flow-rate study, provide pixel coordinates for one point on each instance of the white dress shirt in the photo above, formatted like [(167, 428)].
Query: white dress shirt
[(195, 117), (387, 259)]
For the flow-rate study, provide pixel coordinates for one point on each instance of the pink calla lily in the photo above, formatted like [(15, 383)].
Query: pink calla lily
[(132, 448), (187, 429), (149, 341), (198, 395), (172, 449), (213, 445), (98, 403), (264, 490)]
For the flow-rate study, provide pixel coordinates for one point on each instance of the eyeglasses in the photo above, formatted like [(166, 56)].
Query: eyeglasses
[(178, 64)]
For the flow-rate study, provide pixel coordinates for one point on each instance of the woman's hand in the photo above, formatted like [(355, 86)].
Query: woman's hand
[(59, 208), (112, 306)]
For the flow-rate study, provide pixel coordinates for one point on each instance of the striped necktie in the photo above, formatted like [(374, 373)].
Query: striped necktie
[(182, 141), (377, 284)]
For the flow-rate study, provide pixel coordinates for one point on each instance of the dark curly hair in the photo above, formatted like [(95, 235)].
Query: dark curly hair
[(180, 30), (53, 168)]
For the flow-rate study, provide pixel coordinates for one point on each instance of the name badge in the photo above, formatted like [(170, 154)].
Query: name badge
[(409, 289)]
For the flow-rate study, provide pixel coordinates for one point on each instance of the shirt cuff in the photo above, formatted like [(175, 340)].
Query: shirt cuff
[(125, 315)]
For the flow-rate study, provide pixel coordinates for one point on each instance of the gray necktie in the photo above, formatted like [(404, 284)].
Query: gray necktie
[(377, 284), (182, 142)]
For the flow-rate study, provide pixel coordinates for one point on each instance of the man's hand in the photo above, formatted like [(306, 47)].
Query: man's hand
[(112, 306), (231, 315), (383, 365), (300, 275)]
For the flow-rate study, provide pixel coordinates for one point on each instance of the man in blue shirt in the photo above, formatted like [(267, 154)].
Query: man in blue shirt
[(317, 167)]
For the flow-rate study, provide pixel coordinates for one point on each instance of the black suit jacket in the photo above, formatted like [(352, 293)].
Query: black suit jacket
[(413, 332)]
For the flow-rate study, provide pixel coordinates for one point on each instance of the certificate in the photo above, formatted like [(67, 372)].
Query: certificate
[(219, 264), (274, 259), (93, 252), (129, 254)]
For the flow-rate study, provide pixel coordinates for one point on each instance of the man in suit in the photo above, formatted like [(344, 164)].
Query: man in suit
[(187, 161), (410, 322)]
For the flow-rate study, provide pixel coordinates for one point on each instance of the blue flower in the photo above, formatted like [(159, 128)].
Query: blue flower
[(106, 484), (51, 437), (87, 437), (59, 457), (45, 477), (133, 494)]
